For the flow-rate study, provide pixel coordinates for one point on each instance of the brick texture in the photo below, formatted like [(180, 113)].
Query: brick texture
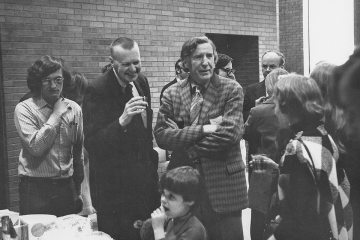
[(291, 34), (80, 32)]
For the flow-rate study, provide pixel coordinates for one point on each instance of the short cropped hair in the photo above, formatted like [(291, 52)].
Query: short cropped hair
[(185, 181), (189, 47), (299, 97), (281, 55), (223, 60), (177, 67), (43, 67), (124, 42), (272, 78)]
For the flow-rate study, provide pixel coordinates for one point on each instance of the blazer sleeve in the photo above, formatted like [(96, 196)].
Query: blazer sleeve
[(174, 139)]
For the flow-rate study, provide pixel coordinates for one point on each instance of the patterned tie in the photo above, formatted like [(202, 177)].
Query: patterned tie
[(196, 106)]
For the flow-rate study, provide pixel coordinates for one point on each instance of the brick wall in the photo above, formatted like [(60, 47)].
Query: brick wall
[(80, 32), (291, 34)]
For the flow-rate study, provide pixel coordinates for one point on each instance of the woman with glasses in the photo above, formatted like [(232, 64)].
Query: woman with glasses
[(223, 66), (51, 133)]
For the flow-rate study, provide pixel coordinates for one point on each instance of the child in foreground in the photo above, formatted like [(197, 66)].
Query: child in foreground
[(181, 192)]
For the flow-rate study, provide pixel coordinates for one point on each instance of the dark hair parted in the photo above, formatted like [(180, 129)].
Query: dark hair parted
[(190, 46), (43, 67), (223, 60), (300, 98), (185, 181), (282, 57), (124, 42), (76, 90)]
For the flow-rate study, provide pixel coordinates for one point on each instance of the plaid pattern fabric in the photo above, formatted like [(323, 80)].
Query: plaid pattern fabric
[(300, 198), (196, 106), (218, 152)]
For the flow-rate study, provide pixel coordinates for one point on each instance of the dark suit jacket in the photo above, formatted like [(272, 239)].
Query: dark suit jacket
[(261, 129), (219, 152), (253, 92), (165, 87), (125, 162)]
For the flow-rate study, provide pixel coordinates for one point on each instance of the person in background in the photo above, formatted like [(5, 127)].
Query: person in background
[(76, 92), (224, 67), (106, 68), (261, 130), (200, 120), (118, 138), (181, 74), (181, 193), (269, 61), (51, 167), (346, 96), (312, 205)]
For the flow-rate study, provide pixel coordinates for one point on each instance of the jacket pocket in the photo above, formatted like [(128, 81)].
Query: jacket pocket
[(235, 167)]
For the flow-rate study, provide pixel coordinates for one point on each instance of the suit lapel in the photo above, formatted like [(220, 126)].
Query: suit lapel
[(261, 90), (115, 90), (185, 96)]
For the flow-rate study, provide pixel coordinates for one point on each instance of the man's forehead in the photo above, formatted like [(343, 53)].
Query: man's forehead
[(120, 54), (204, 47), (271, 56)]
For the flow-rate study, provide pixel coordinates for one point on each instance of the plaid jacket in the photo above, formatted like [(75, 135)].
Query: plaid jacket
[(218, 152)]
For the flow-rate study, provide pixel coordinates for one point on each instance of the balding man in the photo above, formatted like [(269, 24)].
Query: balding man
[(270, 61), (118, 138)]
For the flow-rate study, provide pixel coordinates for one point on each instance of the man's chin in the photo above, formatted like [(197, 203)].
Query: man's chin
[(131, 78)]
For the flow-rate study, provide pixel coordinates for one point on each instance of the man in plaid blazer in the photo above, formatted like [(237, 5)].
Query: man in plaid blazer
[(212, 145)]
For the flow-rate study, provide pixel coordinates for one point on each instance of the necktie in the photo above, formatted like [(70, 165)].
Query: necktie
[(196, 106), (128, 92)]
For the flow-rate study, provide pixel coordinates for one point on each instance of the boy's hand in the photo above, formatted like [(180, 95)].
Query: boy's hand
[(158, 218)]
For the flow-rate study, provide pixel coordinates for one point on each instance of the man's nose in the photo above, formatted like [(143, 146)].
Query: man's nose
[(132, 68), (52, 84), (268, 69)]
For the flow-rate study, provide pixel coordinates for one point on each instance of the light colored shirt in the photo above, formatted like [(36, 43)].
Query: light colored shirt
[(51, 145), (135, 94)]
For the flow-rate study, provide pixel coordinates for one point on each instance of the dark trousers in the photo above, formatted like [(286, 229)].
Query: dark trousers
[(218, 226), (258, 224), (46, 196)]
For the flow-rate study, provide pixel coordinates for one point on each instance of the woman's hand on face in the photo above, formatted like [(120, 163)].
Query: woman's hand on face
[(158, 218)]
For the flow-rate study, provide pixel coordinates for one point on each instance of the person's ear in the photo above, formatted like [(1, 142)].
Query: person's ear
[(190, 203)]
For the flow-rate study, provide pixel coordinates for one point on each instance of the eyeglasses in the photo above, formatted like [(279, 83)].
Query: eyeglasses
[(228, 71), (57, 81)]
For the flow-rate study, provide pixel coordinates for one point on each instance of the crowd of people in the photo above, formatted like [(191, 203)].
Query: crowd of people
[(302, 133)]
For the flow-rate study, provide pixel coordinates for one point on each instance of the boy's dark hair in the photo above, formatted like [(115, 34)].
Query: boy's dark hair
[(185, 181)]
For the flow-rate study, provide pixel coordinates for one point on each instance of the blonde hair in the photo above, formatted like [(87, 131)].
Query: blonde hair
[(272, 78)]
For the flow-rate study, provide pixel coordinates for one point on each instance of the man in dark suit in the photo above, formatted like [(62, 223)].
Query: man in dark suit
[(118, 138), (270, 60), (180, 75), (208, 138)]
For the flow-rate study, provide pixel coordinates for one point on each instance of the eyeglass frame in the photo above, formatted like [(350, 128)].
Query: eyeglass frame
[(58, 81), (228, 71)]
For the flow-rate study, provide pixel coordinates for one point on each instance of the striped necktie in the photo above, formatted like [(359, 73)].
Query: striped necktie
[(196, 106)]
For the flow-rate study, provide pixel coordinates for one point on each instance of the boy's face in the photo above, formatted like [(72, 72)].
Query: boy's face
[(174, 204)]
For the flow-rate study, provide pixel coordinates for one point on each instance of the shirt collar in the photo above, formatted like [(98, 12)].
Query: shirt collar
[(193, 84), (41, 103), (181, 221)]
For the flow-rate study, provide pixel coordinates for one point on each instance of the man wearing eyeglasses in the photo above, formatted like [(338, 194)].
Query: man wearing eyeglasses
[(51, 133), (254, 92), (223, 66)]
